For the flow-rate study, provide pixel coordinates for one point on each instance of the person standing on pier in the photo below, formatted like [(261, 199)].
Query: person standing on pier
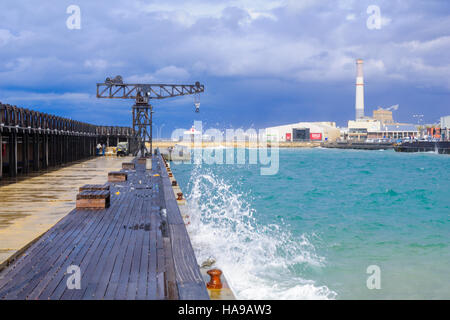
[(103, 149)]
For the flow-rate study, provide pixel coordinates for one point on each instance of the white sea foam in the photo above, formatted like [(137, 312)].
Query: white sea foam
[(256, 259)]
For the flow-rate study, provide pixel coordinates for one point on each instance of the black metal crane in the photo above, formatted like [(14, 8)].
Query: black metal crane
[(142, 109)]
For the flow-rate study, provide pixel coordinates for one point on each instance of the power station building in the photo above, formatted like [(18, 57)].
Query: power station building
[(304, 131), (381, 125)]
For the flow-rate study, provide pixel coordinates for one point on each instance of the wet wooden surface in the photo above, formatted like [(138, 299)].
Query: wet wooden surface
[(31, 205), (136, 249)]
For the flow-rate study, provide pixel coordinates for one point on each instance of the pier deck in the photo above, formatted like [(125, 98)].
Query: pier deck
[(138, 248)]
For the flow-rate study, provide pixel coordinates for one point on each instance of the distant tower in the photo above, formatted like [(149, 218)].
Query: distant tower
[(359, 105)]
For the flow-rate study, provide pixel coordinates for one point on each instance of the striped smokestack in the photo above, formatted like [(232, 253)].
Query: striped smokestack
[(359, 105)]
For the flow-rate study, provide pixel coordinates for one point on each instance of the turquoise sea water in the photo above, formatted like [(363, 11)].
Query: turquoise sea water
[(311, 231)]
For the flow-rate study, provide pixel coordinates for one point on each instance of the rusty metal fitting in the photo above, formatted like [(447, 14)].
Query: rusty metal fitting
[(170, 174), (180, 196), (215, 282), (174, 183)]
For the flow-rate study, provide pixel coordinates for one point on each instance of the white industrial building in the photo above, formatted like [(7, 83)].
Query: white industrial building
[(304, 131), (363, 129), (445, 128)]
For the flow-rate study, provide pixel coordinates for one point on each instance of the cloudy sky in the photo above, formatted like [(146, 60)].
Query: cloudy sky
[(263, 63)]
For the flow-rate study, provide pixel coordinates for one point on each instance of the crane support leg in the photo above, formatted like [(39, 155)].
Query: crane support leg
[(142, 124)]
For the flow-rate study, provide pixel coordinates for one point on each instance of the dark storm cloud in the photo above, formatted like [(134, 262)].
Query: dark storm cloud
[(267, 61)]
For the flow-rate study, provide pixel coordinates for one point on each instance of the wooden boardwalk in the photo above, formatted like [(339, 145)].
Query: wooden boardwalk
[(138, 248)]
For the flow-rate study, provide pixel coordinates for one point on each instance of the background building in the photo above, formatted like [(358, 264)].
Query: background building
[(304, 131), (364, 129), (383, 115), (445, 128), (359, 129), (395, 131)]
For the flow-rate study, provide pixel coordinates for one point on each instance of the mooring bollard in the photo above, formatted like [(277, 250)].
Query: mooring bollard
[(180, 196), (215, 282), (170, 174), (174, 183)]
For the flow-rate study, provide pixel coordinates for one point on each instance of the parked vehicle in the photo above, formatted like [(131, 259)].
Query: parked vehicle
[(122, 149)]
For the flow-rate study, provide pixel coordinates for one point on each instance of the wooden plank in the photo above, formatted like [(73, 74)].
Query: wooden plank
[(109, 263), (57, 288), (121, 252), (56, 274), (96, 266), (169, 275), (135, 260), (161, 288), (50, 236), (84, 238), (145, 276), (89, 260), (186, 268), (173, 211), (31, 268), (188, 277), (125, 271)]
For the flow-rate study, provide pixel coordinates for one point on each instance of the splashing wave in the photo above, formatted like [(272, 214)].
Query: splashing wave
[(259, 261)]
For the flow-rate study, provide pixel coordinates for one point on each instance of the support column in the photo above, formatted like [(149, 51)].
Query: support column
[(62, 142), (13, 155), (25, 153), (44, 152), (73, 148), (51, 151), (64, 149), (68, 154), (36, 161)]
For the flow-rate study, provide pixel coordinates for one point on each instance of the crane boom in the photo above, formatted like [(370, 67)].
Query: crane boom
[(152, 91)]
